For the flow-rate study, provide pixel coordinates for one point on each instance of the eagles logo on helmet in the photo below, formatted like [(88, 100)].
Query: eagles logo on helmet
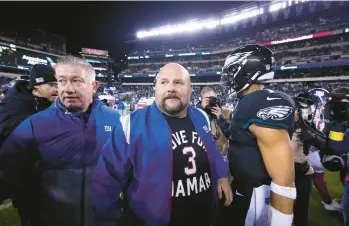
[(247, 65)]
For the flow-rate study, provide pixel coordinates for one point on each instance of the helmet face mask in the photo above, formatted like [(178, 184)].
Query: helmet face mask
[(229, 75), (306, 114), (247, 65), (306, 105)]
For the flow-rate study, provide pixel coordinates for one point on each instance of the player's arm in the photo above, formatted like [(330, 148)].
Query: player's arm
[(111, 174), (224, 123), (277, 155)]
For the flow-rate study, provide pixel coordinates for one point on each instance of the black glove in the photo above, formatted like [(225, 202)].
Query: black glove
[(333, 163)]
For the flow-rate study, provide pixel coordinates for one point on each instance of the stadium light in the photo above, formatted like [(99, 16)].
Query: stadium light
[(261, 11), (196, 25), (189, 26), (241, 16), (277, 6)]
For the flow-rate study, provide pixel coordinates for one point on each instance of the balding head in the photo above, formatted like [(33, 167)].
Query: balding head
[(174, 69), (173, 90)]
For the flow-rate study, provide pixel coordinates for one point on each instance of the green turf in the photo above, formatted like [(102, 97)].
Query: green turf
[(317, 215), (9, 217)]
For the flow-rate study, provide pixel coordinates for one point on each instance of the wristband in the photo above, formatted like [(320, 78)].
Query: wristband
[(276, 218), (287, 192)]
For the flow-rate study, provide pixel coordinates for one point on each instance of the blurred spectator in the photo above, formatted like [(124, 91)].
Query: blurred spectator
[(23, 100), (120, 106)]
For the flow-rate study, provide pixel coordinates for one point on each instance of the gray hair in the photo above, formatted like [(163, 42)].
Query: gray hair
[(206, 89), (76, 61)]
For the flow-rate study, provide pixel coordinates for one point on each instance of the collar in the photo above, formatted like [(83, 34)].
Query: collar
[(243, 97), (41, 103)]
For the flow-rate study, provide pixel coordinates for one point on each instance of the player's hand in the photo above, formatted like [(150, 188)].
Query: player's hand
[(216, 111), (224, 186)]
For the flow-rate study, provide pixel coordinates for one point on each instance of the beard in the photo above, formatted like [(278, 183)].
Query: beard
[(172, 109)]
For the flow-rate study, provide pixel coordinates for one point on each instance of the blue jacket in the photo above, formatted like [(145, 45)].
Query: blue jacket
[(66, 147), (144, 169)]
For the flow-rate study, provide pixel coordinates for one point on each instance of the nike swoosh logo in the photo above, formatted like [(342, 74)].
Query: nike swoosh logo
[(237, 193), (269, 98)]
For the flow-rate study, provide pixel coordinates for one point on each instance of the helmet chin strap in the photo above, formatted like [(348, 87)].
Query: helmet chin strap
[(231, 93), (266, 76)]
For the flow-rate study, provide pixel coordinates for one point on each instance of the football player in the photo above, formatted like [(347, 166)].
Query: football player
[(260, 155), (315, 159), (301, 142)]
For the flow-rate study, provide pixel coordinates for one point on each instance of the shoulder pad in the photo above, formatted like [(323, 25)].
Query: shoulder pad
[(268, 109)]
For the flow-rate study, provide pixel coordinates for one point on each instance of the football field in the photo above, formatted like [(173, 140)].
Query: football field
[(318, 215)]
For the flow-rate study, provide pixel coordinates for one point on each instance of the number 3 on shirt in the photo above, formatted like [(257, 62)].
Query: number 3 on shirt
[(190, 170)]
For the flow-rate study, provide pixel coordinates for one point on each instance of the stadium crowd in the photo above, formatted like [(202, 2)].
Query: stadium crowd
[(271, 33), (334, 48), (136, 92), (36, 39)]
